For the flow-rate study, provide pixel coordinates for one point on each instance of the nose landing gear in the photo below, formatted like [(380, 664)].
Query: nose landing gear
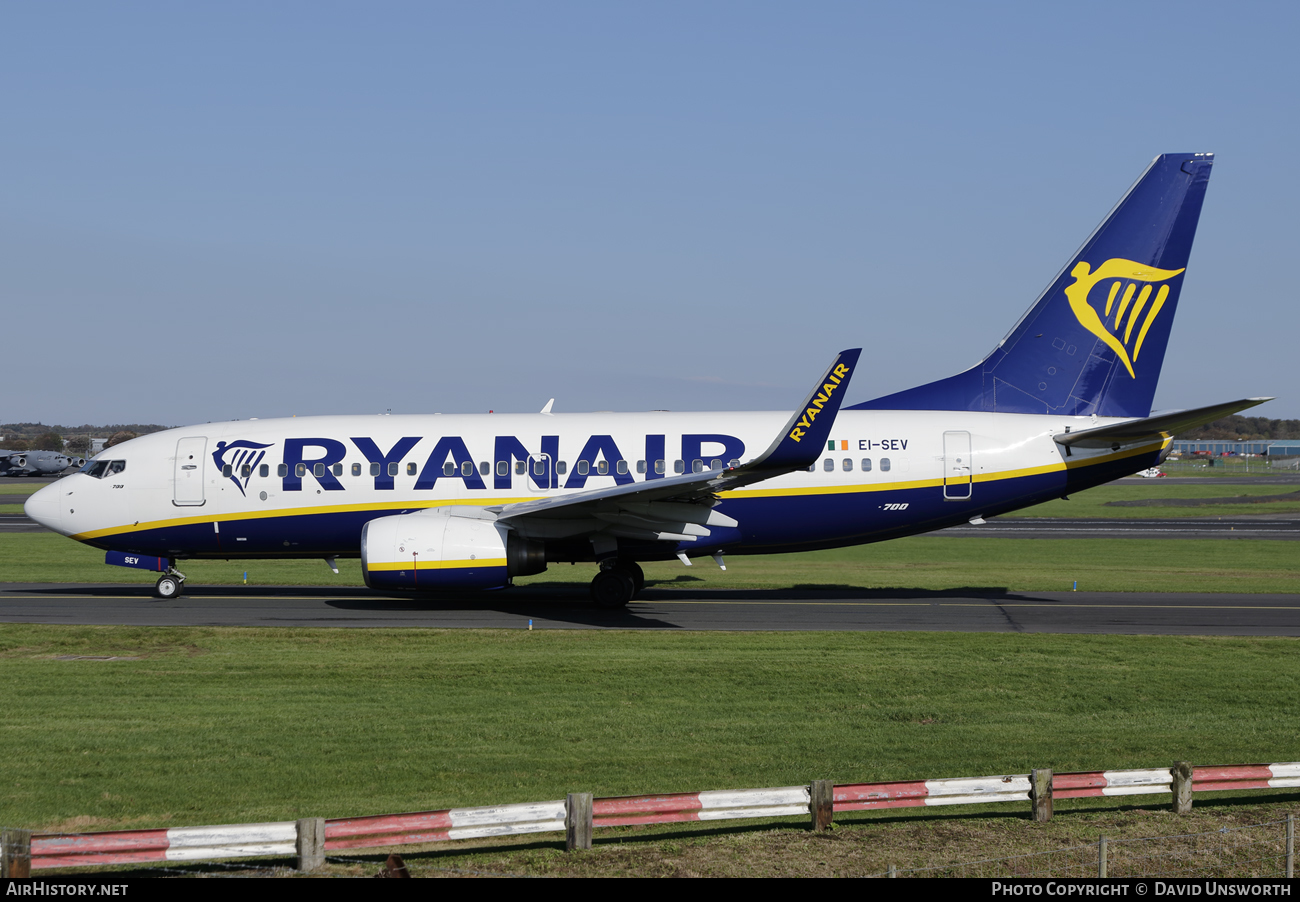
[(170, 584)]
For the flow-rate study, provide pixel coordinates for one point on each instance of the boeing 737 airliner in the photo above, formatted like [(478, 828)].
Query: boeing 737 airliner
[(1062, 403)]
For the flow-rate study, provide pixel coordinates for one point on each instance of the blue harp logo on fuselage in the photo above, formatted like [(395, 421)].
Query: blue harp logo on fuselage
[(242, 457)]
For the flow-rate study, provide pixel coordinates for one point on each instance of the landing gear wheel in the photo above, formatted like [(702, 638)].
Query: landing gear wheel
[(633, 569), (168, 587), (612, 588)]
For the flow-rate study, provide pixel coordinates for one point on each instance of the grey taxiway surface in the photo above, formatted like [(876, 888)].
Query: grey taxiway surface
[(551, 607)]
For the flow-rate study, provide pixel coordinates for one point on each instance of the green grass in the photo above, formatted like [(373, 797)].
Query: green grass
[(238, 725), (17, 487), (1093, 502), (924, 562)]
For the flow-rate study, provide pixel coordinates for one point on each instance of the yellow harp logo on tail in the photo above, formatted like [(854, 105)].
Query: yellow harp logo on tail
[(1125, 276)]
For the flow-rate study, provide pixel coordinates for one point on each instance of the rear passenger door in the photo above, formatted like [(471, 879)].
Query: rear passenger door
[(957, 468)]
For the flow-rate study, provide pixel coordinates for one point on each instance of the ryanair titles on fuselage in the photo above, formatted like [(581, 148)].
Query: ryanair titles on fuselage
[(322, 458)]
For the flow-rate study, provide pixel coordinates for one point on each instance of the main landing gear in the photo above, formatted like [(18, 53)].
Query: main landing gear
[(617, 583), (170, 584)]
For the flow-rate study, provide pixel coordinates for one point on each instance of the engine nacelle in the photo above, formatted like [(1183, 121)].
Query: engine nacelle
[(445, 548)]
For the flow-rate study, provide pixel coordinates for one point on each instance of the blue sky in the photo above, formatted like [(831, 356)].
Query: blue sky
[(234, 210)]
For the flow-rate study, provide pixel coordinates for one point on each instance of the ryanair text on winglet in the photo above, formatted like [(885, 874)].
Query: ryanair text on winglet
[(838, 374)]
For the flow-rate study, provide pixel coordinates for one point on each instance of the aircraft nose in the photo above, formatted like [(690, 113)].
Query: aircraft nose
[(43, 507)]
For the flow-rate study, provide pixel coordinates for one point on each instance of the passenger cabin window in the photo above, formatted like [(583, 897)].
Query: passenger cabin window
[(715, 464), (448, 469), (583, 468), (521, 468), (264, 471), (622, 467), (539, 468), (884, 464), (356, 469), (300, 470), (318, 470), (697, 466), (338, 469), (503, 468), (847, 465), (602, 467), (393, 468), (679, 466), (640, 466), (484, 468), (561, 468), (828, 465), (246, 471), (467, 468), (660, 467), (866, 465), (733, 463), (283, 470)]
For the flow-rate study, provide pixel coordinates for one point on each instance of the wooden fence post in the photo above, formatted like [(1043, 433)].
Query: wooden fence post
[(311, 843), (1040, 793), (821, 804), (1101, 857), (1182, 780), (15, 853), (577, 821)]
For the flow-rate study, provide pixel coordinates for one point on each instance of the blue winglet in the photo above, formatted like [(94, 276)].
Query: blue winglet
[(801, 442)]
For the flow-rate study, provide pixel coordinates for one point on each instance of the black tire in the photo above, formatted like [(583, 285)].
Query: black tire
[(633, 569), (612, 588), (167, 587)]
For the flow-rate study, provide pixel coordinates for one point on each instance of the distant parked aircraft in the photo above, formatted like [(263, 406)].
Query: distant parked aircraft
[(36, 463)]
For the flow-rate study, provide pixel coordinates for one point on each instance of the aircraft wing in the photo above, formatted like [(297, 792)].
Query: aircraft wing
[(1152, 428), (686, 500)]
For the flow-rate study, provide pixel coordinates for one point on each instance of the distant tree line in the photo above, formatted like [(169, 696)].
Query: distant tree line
[(1237, 428), (39, 437)]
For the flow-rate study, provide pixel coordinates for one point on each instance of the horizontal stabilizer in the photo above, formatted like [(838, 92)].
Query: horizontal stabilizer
[(1153, 428)]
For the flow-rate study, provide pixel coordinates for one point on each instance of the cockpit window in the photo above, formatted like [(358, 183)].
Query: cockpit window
[(101, 468)]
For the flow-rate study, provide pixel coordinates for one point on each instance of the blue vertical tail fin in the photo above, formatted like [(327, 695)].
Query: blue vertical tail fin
[(1094, 341)]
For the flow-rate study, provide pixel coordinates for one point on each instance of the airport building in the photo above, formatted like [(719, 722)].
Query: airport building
[(1218, 448)]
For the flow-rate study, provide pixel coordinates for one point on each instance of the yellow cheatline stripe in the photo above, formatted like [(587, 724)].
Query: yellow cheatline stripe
[(438, 565), (735, 493)]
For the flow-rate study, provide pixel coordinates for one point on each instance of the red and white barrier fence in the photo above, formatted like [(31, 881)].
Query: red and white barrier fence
[(311, 839), (734, 804), (440, 826), (178, 844)]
